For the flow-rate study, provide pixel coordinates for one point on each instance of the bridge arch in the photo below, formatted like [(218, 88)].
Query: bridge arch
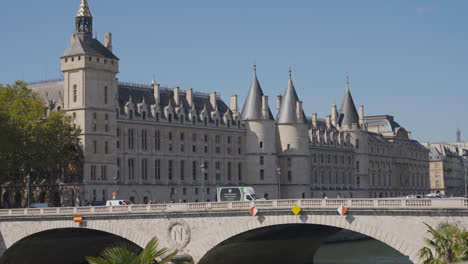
[(61, 245), (236, 228)]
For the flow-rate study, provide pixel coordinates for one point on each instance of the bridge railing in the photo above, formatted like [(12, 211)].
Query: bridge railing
[(390, 203)]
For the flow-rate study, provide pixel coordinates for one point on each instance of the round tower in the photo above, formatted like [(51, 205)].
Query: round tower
[(260, 143), (293, 145)]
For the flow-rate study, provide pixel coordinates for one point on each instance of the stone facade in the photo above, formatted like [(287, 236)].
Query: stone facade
[(146, 142)]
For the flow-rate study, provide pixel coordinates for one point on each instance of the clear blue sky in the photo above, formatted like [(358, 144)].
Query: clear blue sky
[(405, 58)]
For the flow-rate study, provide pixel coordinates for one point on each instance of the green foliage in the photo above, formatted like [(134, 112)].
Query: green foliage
[(448, 244), (128, 254), (31, 139)]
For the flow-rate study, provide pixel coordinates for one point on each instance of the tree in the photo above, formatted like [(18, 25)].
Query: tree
[(34, 140), (125, 253), (448, 244)]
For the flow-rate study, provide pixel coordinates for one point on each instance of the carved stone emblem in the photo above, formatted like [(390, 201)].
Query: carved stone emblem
[(179, 234)]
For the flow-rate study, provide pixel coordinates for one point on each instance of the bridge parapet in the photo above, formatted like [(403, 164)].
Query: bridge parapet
[(390, 203)]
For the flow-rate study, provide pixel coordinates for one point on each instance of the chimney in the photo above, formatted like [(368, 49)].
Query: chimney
[(155, 91), (213, 99), (300, 118), (177, 95), (279, 98), (234, 103), (265, 106), (189, 96), (108, 41), (333, 115), (314, 120), (328, 121), (361, 115)]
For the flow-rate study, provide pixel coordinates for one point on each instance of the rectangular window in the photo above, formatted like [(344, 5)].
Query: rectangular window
[(217, 139), (194, 170), (289, 176), (144, 169), (130, 139), (157, 169), (144, 140), (182, 169), (181, 136), (218, 176), (95, 146), (228, 140), (262, 174), (206, 171), (205, 137), (357, 143), (170, 135), (437, 174), (239, 171), (75, 93), (157, 140), (93, 172), (104, 172), (106, 147), (105, 95), (194, 137), (170, 169), (289, 162), (357, 166), (261, 160), (131, 169), (218, 165), (229, 171), (118, 168)]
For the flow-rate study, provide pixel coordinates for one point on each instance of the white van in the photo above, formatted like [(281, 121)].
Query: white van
[(118, 202)]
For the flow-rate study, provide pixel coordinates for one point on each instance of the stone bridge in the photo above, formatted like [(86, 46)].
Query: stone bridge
[(195, 229)]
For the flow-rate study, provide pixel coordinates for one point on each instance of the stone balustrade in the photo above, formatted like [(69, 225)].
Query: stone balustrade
[(386, 203)]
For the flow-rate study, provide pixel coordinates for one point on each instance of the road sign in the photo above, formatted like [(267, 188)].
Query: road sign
[(342, 210), (77, 219), (253, 211), (296, 209)]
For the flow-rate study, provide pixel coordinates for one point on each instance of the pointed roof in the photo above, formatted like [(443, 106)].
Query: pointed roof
[(253, 104), (87, 46), (83, 10), (348, 113), (287, 113)]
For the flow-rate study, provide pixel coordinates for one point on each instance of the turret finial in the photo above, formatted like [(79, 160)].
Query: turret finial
[(290, 72), (255, 67), (83, 10), (347, 81)]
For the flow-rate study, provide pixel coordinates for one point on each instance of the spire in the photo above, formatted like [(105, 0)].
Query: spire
[(84, 20), (348, 113), (253, 104), (288, 112), (83, 11)]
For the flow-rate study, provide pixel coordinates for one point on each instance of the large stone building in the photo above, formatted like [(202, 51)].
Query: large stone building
[(147, 142)]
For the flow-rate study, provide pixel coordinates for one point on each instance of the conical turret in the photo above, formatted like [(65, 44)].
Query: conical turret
[(288, 112), (348, 113), (252, 109)]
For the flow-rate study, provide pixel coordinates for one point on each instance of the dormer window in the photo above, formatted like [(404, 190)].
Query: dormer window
[(169, 118), (79, 58), (130, 114), (181, 119), (157, 116), (206, 121), (261, 144), (217, 122), (66, 60), (143, 115)]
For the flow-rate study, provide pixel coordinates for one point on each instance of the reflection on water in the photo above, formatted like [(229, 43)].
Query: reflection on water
[(362, 251)]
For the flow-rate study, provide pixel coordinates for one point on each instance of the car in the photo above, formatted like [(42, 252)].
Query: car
[(40, 205), (415, 196), (436, 195), (118, 202), (98, 203)]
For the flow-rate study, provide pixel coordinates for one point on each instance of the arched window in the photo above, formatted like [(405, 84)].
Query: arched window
[(105, 94), (261, 144)]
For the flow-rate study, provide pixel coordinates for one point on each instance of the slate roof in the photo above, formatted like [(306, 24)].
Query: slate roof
[(82, 44), (252, 109), (348, 113), (50, 92), (166, 96), (288, 111)]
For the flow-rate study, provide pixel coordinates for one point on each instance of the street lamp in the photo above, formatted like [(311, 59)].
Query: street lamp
[(203, 169), (278, 174), (28, 179)]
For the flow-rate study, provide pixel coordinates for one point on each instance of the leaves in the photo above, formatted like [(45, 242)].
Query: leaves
[(31, 139), (125, 253), (448, 244)]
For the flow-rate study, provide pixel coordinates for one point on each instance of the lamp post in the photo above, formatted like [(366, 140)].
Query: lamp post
[(278, 174), (203, 169), (28, 179)]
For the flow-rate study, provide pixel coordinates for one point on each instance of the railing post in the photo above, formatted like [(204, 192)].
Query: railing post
[(92, 209), (9, 212), (75, 209), (42, 211), (376, 203), (110, 209), (324, 202)]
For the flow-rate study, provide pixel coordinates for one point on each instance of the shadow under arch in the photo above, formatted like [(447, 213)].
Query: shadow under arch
[(283, 243), (61, 245)]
